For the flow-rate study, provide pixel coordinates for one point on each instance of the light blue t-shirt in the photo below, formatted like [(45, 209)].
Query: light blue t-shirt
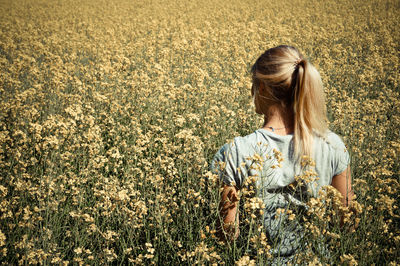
[(238, 162)]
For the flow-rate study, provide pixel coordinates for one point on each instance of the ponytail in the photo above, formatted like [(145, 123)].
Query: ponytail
[(309, 108)]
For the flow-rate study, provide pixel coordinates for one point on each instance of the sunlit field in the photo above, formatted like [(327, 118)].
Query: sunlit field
[(111, 112)]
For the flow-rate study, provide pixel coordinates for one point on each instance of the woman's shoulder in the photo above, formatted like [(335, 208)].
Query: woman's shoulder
[(240, 145), (333, 139), (248, 142), (331, 143), (339, 153)]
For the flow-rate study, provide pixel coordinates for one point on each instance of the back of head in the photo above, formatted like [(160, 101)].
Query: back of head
[(292, 82)]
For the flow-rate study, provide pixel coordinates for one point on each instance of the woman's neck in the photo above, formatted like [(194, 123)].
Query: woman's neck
[(279, 120)]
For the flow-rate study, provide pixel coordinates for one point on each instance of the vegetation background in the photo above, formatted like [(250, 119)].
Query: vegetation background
[(112, 110)]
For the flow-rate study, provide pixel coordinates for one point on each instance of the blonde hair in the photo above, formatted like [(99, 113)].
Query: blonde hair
[(293, 82)]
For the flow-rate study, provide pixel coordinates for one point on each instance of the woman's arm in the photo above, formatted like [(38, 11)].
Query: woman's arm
[(228, 213), (342, 182)]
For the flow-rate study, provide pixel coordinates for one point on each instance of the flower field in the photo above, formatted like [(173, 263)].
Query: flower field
[(111, 111)]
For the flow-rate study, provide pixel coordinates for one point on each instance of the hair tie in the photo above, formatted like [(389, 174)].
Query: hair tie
[(298, 61)]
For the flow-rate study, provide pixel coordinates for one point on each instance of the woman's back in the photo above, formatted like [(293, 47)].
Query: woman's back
[(329, 155), (276, 176)]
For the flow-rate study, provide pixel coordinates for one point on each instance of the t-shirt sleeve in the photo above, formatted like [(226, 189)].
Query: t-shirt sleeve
[(341, 156), (226, 164)]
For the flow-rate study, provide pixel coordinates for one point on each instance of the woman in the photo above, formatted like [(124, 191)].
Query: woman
[(288, 92)]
